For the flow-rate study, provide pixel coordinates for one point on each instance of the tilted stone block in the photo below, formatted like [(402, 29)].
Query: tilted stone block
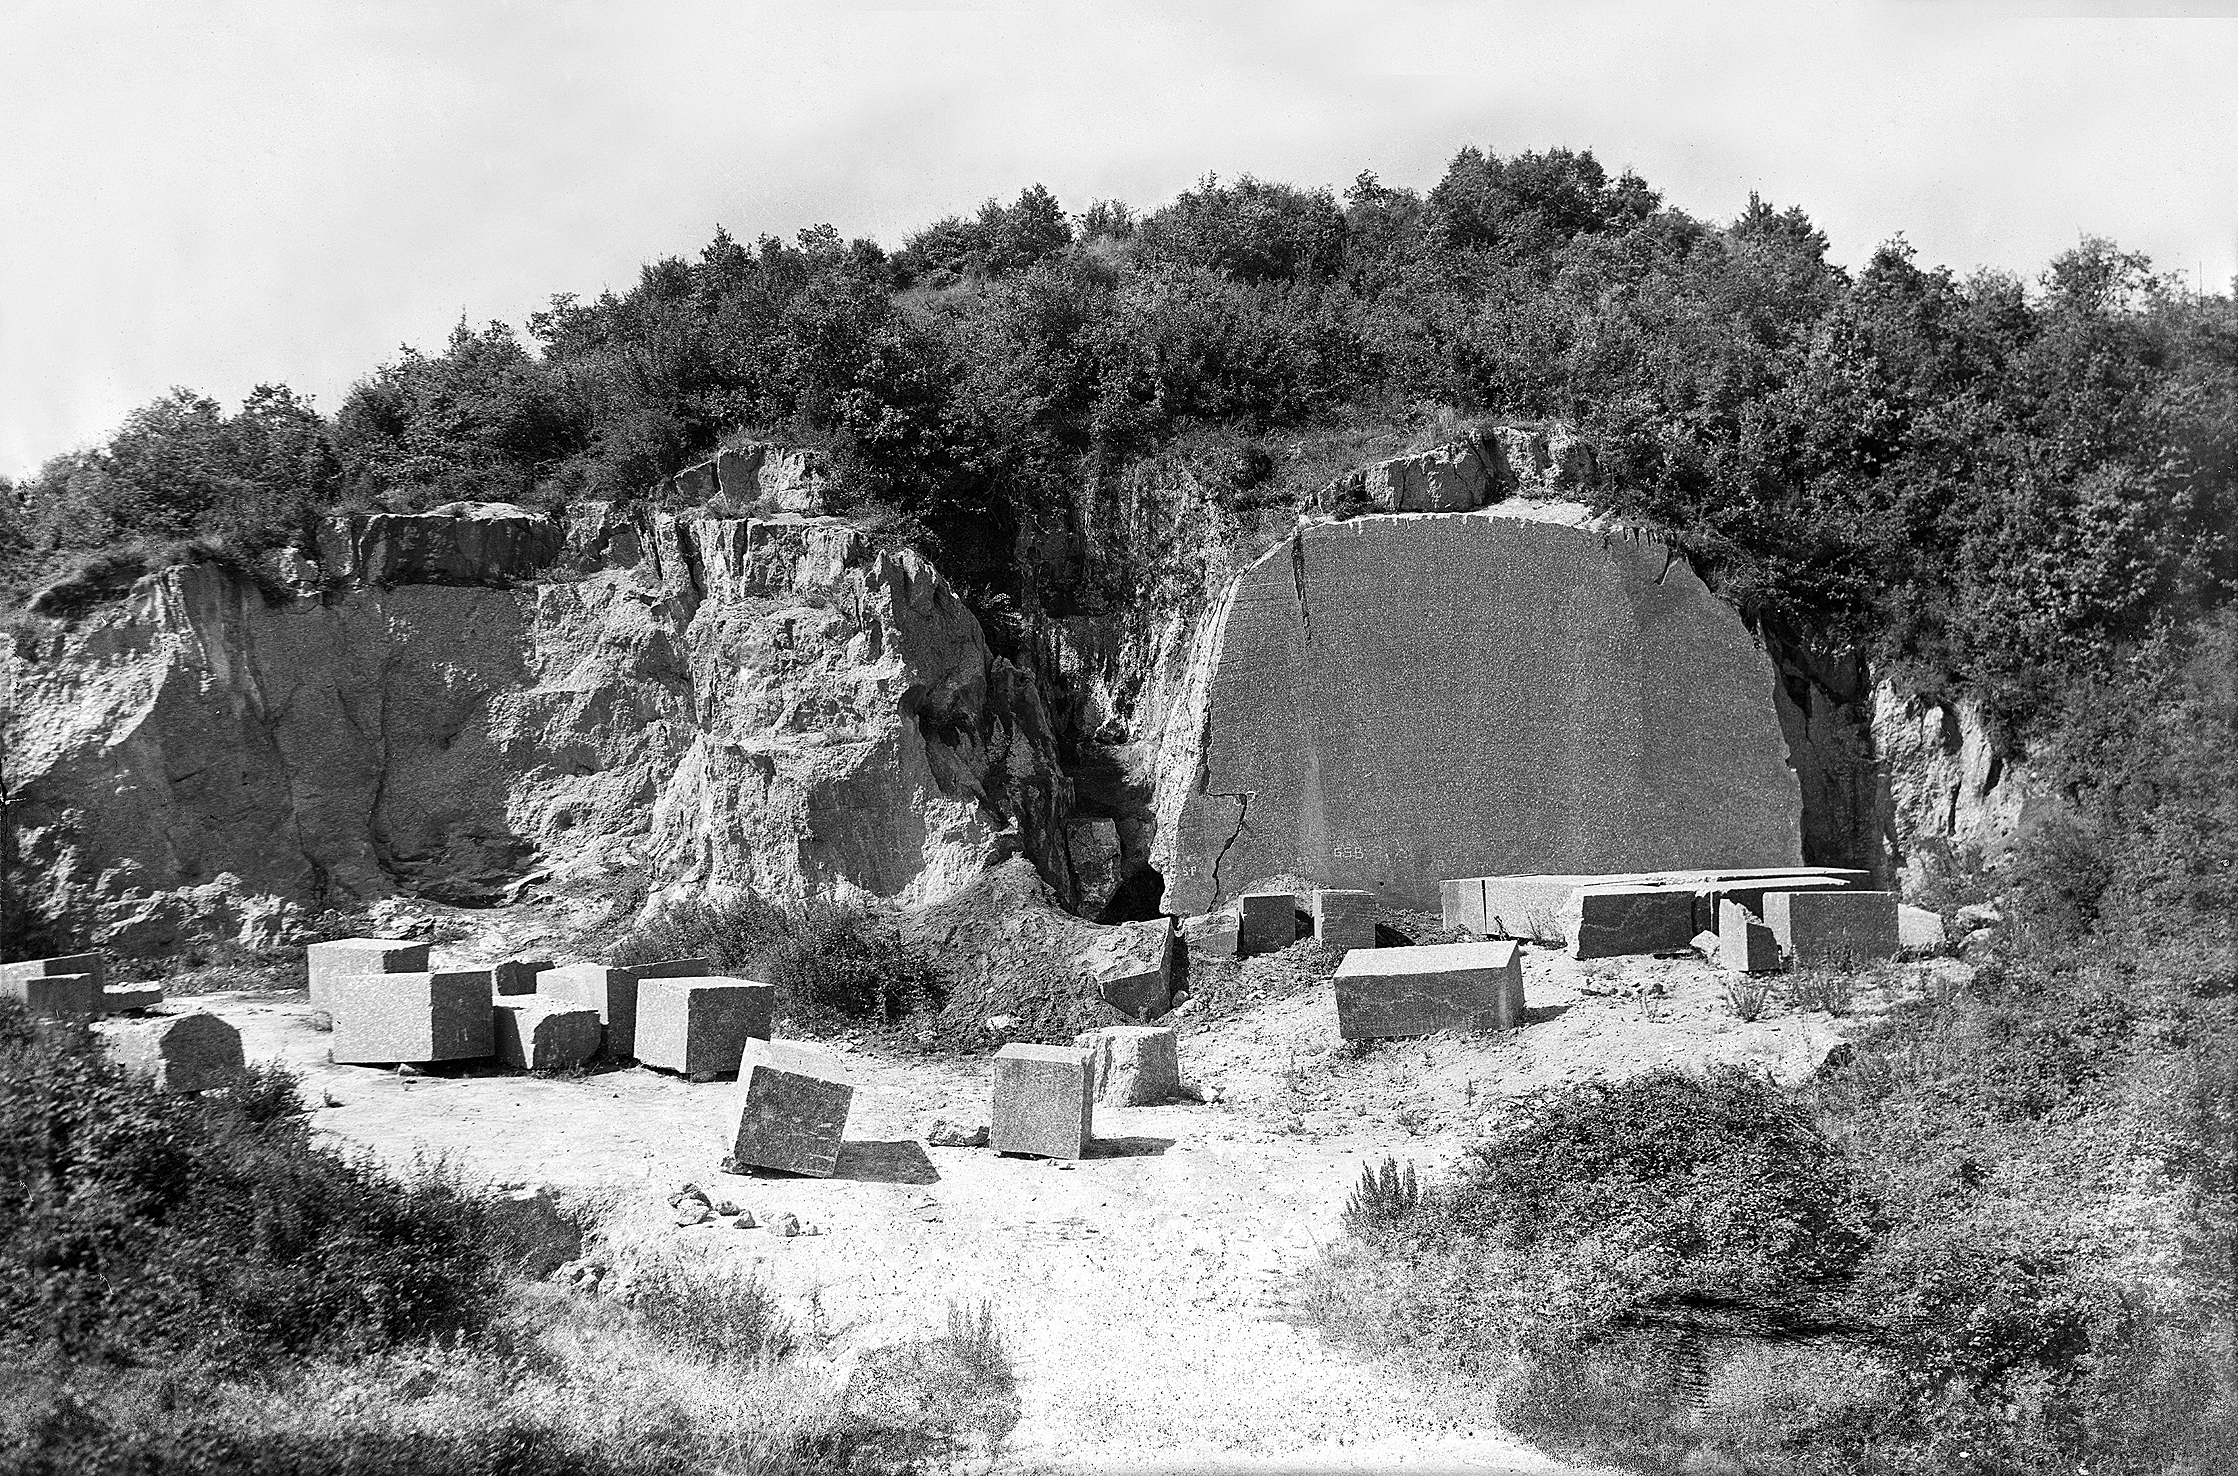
[(1043, 1101), (1833, 929), (533, 1033), (613, 993), (179, 1053), (118, 998), (55, 994), (518, 975), (1266, 922), (790, 1110), (700, 1026), (68, 965), (1132, 1065), (1344, 919), (1745, 944), (1132, 967), (443, 1015), (1441, 986), (350, 956)]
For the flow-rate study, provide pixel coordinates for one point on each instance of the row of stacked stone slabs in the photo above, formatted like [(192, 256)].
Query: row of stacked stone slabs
[(1808, 930), (1394, 700), (72, 984)]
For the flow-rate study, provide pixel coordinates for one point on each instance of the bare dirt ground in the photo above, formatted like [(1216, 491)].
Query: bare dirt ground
[(1142, 1289)]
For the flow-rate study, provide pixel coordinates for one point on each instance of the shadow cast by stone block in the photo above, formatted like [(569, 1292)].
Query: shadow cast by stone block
[(1540, 1014), (1127, 1147), (903, 1161)]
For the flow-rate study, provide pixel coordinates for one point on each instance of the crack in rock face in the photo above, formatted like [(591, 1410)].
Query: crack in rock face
[(1480, 694)]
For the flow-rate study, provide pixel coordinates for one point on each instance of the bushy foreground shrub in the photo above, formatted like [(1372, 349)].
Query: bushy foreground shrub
[(829, 960)]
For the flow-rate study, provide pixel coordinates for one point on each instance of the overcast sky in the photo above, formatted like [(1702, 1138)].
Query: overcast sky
[(215, 194)]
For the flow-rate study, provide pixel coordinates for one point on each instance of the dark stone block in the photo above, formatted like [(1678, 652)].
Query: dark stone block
[(1044, 1101), (791, 1109), (1414, 991)]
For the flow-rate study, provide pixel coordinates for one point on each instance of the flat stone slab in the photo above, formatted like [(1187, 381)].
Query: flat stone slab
[(56, 994), (440, 1015), (1044, 1103), (349, 956), (1266, 922), (1132, 1065), (1344, 919), (700, 1026), (1833, 930), (535, 1033), (790, 1109), (613, 993), (178, 1053), (1383, 992), (1745, 943), (116, 999), (1537, 908)]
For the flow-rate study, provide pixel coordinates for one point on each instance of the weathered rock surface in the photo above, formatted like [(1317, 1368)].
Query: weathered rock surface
[(1416, 991), (1474, 471), (1132, 1065)]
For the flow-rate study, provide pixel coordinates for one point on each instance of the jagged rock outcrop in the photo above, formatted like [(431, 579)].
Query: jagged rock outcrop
[(679, 703), (769, 478), (1474, 471), (1944, 791)]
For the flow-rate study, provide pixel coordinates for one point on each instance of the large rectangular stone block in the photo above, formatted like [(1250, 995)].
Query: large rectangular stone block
[(1750, 892), (1266, 922), (178, 1053), (1044, 1103), (62, 966), (790, 1109), (55, 994), (1344, 919), (1818, 930), (1744, 943), (700, 1026), (1609, 921), (1441, 986), (613, 993), (441, 1015), (1538, 908), (350, 956), (1133, 968), (1132, 1065), (534, 1033)]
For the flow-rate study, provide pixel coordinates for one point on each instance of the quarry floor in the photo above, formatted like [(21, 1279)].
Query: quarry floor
[(1143, 1289)]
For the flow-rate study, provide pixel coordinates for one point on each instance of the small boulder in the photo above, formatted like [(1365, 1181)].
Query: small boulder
[(946, 1134), (1975, 916), (784, 1225), (693, 1212)]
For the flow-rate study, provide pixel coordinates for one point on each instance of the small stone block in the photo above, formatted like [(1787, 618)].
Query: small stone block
[(1916, 927), (64, 965), (1044, 1103), (533, 1033), (1840, 929), (1441, 986), (1132, 1065), (345, 957), (178, 1053), (518, 975), (1744, 942), (56, 994), (443, 1015), (118, 998), (791, 1109), (1266, 922), (700, 1026), (1132, 967), (1610, 921), (613, 993), (1344, 920)]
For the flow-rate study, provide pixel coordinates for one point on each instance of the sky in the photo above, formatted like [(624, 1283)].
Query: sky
[(217, 194)]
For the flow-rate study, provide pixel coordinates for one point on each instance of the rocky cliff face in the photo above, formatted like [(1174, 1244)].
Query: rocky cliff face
[(640, 704)]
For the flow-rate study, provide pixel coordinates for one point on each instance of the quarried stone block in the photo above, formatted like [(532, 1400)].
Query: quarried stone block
[(1916, 927), (1044, 1103), (790, 1109), (1744, 943), (613, 993), (1266, 922), (68, 965), (518, 975), (1344, 919), (533, 1033), (1132, 1065), (351, 956), (178, 1053), (56, 994), (1841, 929), (1442, 986), (1132, 967), (116, 999), (700, 1026), (443, 1015), (1608, 921)]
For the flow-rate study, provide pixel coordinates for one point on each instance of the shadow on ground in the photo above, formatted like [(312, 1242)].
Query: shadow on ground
[(1128, 1147), (899, 1162)]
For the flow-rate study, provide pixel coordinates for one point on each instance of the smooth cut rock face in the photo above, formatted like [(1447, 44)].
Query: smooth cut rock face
[(1441, 986), (1833, 929), (55, 994), (1044, 1103), (178, 1053), (349, 956), (116, 999), (1396, 700), (529, 1033), (1266, 922), (613, 993), (1745, 943), (700, 1026), (791, 1109), (442, 1015), (1344, 920), (1132, 1065)]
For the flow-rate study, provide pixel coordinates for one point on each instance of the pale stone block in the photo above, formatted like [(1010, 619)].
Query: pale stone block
[(56, 994), (700, 1026), (87, 965), (1344, 919), (1132, 967), (1833, 929), (1043, 1102), (351, 956), (1745, 944), (1132, 1065), (116, 999), (442, 1015), (613, 993), (1916, 927), (1266, 922), (1441, 986), (178, 1053), (533, 1033), (789, 1110)]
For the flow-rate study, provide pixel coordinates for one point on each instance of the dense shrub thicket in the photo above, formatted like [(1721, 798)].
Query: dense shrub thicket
[(2009, 481), (831, 962)]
